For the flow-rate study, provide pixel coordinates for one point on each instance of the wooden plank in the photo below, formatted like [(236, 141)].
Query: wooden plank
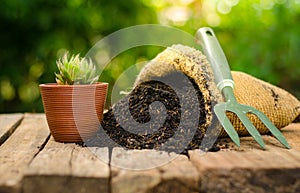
[(291, 133), (8, 124), (249, 168), (152, 171), (67, 168), (19, 149)]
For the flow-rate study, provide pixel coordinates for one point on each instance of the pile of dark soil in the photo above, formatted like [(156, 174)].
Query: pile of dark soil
[(173, 111), (152, 117)]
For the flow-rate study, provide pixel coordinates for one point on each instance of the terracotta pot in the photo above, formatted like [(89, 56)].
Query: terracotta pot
[(73, 112)]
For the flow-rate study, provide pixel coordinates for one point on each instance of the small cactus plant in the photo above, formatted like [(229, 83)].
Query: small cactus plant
[(75, 70)]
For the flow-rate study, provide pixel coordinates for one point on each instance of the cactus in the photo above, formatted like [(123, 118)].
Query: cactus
[(75, 70)]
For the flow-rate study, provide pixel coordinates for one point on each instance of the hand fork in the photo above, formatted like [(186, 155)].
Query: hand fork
[(225, 84)]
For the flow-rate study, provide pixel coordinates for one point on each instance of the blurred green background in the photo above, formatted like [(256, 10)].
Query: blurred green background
[(260, 37)]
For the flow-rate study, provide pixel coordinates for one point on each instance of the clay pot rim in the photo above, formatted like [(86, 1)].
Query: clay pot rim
[(51, 85)]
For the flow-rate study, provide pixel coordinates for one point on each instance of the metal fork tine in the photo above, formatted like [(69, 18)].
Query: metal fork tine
[(266, 121), (221, 115), (250, 127)]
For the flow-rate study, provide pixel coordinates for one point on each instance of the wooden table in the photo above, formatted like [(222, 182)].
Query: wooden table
[(31, 161)]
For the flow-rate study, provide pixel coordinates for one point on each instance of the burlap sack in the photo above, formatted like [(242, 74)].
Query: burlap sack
[(281, 107)]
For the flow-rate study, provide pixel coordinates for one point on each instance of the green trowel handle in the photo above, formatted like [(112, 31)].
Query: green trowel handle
[(215, 56)]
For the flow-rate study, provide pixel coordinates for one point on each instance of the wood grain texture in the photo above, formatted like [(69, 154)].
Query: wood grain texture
[(152, 171), (249, 168), (31, 162), (19, 149), (67, 168), (8, 124)]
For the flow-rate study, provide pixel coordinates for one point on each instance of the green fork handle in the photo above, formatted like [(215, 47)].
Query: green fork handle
[(216, 56), (225, 84)]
